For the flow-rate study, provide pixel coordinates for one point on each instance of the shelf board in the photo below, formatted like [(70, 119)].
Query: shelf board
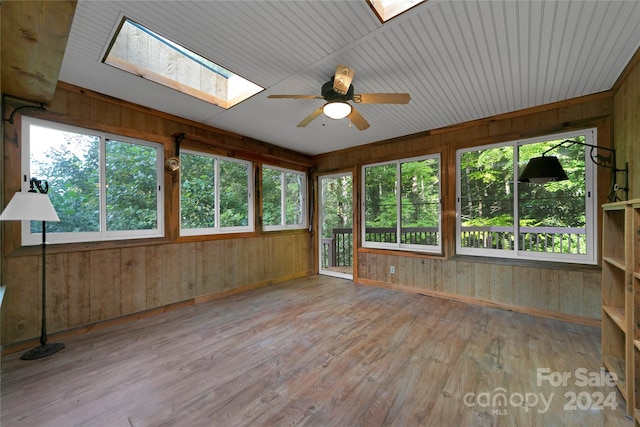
[(617, 315), (616, 366), (618, 263), (615, 206)]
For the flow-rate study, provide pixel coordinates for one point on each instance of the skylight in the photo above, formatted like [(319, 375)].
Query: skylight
[(142, 52), (387, 9)]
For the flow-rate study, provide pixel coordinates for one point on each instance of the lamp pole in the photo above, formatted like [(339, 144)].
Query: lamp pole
[(45, 349), (34, 205)]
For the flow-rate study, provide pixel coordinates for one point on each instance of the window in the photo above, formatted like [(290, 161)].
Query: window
[(401, 205), (103, 187), (387, 9), (215, 194), (499, 217), (283, 199), (144, 53)]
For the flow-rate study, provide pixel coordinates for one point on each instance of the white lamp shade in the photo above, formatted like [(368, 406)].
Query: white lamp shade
[(337, 110), (25, 206)]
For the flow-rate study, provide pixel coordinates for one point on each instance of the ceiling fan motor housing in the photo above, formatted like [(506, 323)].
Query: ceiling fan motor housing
[(330, 95)]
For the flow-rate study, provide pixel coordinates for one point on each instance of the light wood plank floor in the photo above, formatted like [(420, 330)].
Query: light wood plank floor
[(317, 351)]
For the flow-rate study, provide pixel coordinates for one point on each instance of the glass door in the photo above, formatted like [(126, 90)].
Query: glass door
[(335, 218)]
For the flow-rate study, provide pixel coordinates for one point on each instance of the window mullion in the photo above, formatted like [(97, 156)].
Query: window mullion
[(216, 189), (102, 178), (516, 199), (283, 199), (398, 203)]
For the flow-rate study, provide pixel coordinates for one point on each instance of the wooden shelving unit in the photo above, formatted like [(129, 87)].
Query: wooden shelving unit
[(634, 278), (621, 299)]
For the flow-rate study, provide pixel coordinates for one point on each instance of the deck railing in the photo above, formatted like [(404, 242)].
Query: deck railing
[(565, 240), (337, 251)]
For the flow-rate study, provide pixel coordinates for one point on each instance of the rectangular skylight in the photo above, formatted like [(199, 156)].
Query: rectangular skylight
[(387, 9), (144, 53)]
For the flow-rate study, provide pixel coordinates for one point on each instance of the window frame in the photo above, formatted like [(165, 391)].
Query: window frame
[(283, 200), (29, 239), (178, 68), (591, 203), (429, 249), (217, 229)]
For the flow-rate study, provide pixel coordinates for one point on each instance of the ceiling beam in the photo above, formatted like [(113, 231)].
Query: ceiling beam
[(34, 38)]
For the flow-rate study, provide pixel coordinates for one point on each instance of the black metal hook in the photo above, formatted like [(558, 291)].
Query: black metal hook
[(22, 107), (178, 139)]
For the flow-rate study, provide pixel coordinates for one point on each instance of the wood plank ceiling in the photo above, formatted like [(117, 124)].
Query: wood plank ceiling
[(459, 60)]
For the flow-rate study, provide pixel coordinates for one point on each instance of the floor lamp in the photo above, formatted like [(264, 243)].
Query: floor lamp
[(34, 205)]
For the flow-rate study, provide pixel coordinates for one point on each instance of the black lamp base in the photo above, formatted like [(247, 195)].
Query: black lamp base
[(42, 351)]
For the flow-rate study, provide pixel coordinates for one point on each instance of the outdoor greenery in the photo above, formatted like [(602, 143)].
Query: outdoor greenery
[(272, 196), (71, 163), (337, 201), (418, 196), (336, 196), (487, 192), (198, 192)]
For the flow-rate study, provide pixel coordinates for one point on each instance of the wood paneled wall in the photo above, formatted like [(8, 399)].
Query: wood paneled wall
[(95, 282), (87, 287), (570, 292), (562, 293), (627, 125)]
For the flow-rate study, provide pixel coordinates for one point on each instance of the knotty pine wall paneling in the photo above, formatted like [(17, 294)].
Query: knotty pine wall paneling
[(565, 291), (90, 283), (627, 125)]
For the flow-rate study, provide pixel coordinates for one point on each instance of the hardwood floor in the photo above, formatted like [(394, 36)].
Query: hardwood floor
[(318, 351)]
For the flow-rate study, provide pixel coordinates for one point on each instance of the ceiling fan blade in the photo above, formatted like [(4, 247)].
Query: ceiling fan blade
[(382, 98), (294, 97), (310, 118), (342, 79), (358, 120)]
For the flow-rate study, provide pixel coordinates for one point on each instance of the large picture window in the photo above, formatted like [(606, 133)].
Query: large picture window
[(499, 217), (102, 186), (283, 199), (401, 205), (215, 194)]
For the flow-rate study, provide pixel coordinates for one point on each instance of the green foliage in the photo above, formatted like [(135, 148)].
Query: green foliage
[(234, 193), (336, 197), (70, 162), (555, 204), (294, 202), (272, 197), (420, 205), (487, 185), (131, 186), (487, 194), (418, 194), (197, 191), (380, 195)]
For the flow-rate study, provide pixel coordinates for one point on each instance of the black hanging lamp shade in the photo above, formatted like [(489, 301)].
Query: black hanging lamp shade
[(543, 169)]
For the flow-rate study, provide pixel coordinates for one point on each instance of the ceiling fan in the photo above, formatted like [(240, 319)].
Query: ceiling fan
[(337, 92)]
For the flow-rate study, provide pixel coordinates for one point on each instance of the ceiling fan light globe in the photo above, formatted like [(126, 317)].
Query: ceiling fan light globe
[(336, 110)]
